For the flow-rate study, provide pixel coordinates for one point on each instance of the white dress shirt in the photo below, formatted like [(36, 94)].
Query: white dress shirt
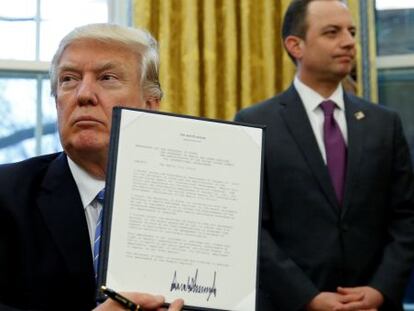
[(312, 100), (88, 187)]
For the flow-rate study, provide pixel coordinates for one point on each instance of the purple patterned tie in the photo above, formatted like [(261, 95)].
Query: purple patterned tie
[(335, 149)]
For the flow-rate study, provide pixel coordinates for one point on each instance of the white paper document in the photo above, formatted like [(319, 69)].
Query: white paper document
[(183, 217)]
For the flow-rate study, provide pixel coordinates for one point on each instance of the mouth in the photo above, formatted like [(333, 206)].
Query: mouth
[(346, 58), (86, 121)]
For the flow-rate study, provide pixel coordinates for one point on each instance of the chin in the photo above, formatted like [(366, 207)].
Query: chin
[(341, 74), (91, 147), (345, 70)]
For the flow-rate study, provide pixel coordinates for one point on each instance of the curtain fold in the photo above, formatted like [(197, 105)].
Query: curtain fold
[(354, 8), (218, 56)]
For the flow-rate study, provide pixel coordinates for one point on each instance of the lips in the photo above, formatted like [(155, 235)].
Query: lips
[(345, 57), (86, 121)]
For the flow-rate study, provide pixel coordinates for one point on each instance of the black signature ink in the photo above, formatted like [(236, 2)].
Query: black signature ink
[(193, 287)]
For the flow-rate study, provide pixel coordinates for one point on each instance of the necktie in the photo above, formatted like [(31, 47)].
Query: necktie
[(335, 149), (98, 232)]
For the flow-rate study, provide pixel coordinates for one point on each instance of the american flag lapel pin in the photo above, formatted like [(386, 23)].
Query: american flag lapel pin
[(359, 115)]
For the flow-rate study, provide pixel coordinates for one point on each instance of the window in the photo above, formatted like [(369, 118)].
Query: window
[(395, 49), (28, 123), (31, 30)]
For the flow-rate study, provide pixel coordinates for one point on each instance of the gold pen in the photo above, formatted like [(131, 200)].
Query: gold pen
[(123, 301)]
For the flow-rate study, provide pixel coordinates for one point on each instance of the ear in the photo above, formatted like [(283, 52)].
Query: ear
[(294, 45), (152, 103)]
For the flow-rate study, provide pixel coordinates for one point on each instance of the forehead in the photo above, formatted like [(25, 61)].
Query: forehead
[(321, 13), (91, 51)]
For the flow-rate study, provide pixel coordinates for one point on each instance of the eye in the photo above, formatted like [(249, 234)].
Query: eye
[(108, 77), (66, 80), (331, 32)]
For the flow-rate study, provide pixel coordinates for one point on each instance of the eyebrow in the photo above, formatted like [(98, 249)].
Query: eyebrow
[(352, 27), (96, 68)]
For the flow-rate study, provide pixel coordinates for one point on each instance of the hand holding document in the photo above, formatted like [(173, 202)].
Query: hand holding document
[(182, 210), (135, 302)]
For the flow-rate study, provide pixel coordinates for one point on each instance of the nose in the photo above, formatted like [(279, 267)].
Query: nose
[(348, 40), (86, 93)]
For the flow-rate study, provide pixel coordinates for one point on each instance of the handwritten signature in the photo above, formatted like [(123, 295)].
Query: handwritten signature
[(192, 286)]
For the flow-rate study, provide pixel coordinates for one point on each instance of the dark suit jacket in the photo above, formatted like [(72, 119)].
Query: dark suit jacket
[(311, 244), (45, 252)]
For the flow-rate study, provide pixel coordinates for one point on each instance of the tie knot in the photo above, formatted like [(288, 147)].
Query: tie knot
[(328, 107), (100, 196)]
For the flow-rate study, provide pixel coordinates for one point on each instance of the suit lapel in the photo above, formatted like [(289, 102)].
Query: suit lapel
[(355, 119), (299, 126), (60, 204)]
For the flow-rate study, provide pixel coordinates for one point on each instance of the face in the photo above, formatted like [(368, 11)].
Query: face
[(93, 77), (327, 52)]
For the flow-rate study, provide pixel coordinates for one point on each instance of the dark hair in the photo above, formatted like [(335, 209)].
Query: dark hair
[(295, 20)]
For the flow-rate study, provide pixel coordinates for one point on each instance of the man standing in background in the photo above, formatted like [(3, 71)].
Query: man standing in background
[(338, 212)]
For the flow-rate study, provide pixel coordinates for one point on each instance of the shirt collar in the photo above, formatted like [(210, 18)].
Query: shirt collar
[(88, 185), (312, 99)]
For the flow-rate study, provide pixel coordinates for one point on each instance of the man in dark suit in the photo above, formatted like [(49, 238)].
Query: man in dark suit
[(48, 209), (338, 226)]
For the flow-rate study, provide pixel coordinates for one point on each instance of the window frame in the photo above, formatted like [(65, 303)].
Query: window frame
[(119, 12), (395, 61)]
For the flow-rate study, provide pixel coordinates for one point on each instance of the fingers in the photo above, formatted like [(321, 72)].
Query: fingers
[(351, 297), (146, 301), (348, 290), (176, 305), (352, 306), (372, 298)]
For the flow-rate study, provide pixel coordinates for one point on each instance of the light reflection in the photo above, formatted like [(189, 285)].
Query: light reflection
[(394, 4)]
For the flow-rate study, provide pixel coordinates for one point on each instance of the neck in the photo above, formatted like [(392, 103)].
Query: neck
[(93, 163), (324, 87)]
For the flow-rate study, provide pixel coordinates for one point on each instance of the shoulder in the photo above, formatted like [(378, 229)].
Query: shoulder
[(367, 105), (267, 109), (35, 163), (27, 170), (371, 109), (259, 108)]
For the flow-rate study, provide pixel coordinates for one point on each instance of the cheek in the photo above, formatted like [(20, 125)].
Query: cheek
[(63, 116), (60, 114), (133, 99), (108, 112)]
